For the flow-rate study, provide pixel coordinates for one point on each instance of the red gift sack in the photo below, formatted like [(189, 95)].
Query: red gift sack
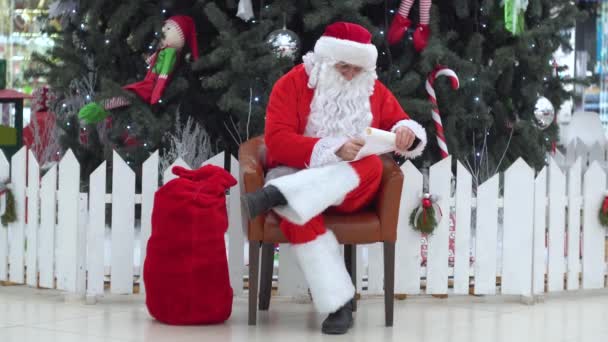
[(186, 269)]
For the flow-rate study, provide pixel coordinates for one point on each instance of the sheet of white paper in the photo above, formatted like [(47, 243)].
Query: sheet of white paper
[(377, 141)]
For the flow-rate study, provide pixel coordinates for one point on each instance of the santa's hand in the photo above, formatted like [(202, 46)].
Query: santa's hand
[(350, 149), (405, 138)]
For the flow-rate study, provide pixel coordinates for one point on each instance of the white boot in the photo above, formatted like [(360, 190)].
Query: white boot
[(323, 266)]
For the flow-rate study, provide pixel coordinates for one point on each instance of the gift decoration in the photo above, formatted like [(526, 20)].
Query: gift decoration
[(427, 216), (8, 213), (401, 24), (603, 214), (515, 11)]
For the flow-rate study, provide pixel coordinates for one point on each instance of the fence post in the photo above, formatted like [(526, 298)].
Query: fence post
[(33, 189), (437, 267)]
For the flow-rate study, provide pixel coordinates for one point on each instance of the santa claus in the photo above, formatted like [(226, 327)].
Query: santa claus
[(315, 116)]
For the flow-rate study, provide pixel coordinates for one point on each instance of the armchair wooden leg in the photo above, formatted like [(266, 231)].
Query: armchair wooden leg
[(389, 282), (350, 259), (254, 264), (266, 275)]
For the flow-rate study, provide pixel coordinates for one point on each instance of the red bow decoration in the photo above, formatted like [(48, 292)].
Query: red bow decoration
[(426, 204), (605, 206)]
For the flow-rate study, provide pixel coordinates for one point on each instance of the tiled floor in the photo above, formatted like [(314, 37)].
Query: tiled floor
[(35, 315)]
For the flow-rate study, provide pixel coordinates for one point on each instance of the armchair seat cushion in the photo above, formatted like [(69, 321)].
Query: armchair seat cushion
[(358, 228)]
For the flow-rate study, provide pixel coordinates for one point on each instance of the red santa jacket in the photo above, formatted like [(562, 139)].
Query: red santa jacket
[(287, 116)]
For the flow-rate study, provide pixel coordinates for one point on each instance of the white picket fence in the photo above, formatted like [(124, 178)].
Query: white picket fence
[(550, 233), (62, 243), (577, 149)]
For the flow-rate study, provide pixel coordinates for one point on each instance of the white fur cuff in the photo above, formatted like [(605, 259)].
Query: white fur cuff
[(342, 50), (420, 134), (324, 270), (324, 151), (311, 191)]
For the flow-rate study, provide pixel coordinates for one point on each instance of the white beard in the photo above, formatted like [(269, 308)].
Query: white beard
[(339, 107)]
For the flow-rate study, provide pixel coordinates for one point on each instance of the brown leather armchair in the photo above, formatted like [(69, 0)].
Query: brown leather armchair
[(375, 224)]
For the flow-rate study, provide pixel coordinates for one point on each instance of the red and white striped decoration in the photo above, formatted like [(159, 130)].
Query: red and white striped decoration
[(440, 71), (115, 102), (443, 147)]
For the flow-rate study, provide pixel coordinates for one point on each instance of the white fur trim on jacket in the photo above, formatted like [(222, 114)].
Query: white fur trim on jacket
[(310, 191), (342, 50), (324, 151), (324, 270), (420, 134)]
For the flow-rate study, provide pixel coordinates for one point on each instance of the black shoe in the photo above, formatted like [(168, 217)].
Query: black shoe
[(339, 322), (262, 200)]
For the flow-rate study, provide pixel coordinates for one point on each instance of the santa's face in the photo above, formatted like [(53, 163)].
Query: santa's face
[(348, 71), (340, 106), (172, 36)]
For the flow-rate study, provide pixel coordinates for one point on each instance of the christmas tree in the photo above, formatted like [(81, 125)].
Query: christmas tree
[(103, 46), (501, 52)]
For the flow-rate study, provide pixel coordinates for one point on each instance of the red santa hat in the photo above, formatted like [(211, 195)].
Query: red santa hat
[(349, 43), (185, 26)]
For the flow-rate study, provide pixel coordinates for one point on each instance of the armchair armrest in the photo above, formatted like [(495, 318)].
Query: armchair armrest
[(251, 164), (389, 198)]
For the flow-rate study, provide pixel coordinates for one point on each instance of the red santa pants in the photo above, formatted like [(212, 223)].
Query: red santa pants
[(369, 171)]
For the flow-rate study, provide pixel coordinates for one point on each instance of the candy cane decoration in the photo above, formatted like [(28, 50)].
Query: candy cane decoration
[(443, 147), (440, 71)]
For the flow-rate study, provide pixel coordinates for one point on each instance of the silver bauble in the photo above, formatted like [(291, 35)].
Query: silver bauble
[(284, 43), (544, 113)]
